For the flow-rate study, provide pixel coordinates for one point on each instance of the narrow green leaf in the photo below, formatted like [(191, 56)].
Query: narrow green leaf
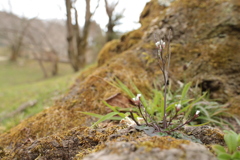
[(238, 140), (190, 106), (237, 120), (143, 99), (226, 122), (109, 106), (100, 116), (202, 124), (192, 103), (185, 90), (171, 106), (104, 118), (92, 114), (114, 109), (210, 120), (156, 98), (161, 108), (203, 111), (124, 88)]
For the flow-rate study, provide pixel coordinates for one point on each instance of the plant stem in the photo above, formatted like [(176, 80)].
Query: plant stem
[(131, 114), (165, 101), (190, 120), (140, 110)]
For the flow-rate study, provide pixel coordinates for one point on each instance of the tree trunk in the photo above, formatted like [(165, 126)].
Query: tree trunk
[(82, 38), (53, 58), (39, 59), (112, 19), (16, 47), (15, 52), (110, 32), (72, 50), (77, 42)]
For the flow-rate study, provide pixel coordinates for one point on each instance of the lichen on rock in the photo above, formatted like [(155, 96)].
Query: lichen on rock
[(205, 50)]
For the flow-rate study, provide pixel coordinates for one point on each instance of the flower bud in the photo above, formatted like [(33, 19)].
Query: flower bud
[(178, 107), (197, 112)]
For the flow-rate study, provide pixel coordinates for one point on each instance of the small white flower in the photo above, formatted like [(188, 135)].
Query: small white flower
[(137, 97), (160, 45), (197, 112), (178, 106), (157, 43)]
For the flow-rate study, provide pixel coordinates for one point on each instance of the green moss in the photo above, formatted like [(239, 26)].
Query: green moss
[(111, 49), (116, 47), (150, 12), (161, 142), (128, 60), (99, 136)]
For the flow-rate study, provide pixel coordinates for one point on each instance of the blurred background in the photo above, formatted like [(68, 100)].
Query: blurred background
[(44, 43)]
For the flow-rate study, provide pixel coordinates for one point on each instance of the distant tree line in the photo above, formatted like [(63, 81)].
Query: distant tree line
[(55, 40)]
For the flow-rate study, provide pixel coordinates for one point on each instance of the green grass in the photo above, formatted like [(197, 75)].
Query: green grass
[(23, 81), (26, 71)]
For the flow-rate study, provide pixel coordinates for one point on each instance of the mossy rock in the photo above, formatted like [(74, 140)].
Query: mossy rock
[(205, 50), (79, 142), (116, 47), (151, 148)]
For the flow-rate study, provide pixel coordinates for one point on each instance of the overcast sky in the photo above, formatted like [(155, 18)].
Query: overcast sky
[(55, 9)]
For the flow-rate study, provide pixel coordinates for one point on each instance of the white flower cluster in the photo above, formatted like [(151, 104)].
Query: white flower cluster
[(160, 45), (137, 97)]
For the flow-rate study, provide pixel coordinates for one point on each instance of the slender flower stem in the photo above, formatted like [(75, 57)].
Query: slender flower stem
[(140, 110), (165, 103), (170, 121), (131, 114), (190, 120)]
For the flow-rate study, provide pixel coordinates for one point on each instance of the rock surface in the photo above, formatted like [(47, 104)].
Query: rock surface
[(111, 142), (205, 50), (126, 151)]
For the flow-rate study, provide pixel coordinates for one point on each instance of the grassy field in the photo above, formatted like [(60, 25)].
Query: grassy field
[(23, 81)]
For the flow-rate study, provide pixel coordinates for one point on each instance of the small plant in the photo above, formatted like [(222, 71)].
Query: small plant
[(164, 113), (232, 152), (152, 112), (167, 118), (157, 115)]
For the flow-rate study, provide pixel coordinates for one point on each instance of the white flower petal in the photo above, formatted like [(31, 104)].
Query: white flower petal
[(178, 106), (138, 96), (197, 112), (157, 44)]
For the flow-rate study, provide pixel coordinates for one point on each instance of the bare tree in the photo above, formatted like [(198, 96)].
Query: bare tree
[(113, 19), (17, 41), (13, 31), (77, 41), (33, 38), (47, 49)]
